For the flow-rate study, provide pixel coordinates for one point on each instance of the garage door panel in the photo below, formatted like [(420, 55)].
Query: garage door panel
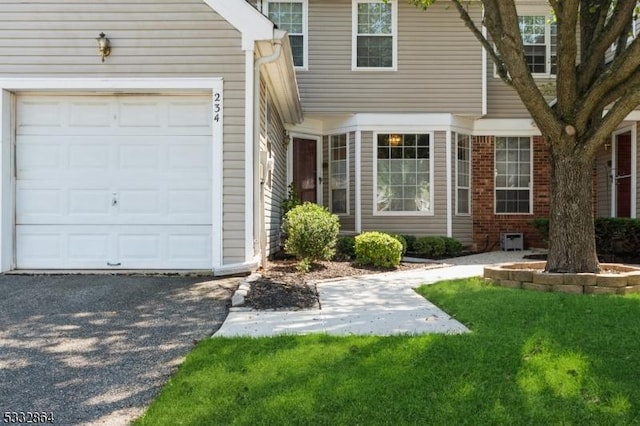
[(139, 113), (113, 247), (40, 202), (90, 247), (90, 114), (194, 114), (114, 180), (89, 157)]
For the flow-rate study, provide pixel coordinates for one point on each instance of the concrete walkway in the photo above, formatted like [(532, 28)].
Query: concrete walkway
[(382, 304)]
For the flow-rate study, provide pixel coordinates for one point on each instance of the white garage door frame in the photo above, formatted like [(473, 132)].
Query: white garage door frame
[(9, 88)]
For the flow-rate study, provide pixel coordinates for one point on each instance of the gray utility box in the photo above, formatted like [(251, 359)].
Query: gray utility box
[(511, 241)]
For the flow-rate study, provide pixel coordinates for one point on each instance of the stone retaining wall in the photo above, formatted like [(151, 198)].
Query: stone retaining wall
[(617, 279)]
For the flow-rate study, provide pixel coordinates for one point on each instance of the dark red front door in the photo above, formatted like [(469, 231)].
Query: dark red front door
[(305, 174), (623, 175)]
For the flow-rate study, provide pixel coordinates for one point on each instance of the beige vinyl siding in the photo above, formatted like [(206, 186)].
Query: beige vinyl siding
[(275, 186), (159, 38), (439, 64), (405, 224)]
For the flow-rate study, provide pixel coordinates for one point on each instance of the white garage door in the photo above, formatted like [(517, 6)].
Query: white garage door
[(113, 182)]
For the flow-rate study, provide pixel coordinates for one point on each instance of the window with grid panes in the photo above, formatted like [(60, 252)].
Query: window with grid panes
[(403, 179), (290, 16), (539, 36), (339, 173), (513, 174), (463, 174), (374, 34)]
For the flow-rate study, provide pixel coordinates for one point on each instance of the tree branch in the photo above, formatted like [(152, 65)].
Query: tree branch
[(620, 70), (612, 119), (501, 20), (604, 35), (488, 47), (567, 54)]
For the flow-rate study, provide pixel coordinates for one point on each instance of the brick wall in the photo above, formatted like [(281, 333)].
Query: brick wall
[(487, 226)]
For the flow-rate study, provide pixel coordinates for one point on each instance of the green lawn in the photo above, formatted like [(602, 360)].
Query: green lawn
[(532, 358)]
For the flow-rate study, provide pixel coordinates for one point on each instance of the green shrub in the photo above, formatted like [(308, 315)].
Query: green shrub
[(291, 201), (614, 235), (430, 246), (542, 226), (411, 242), (617, 235), (312, 234), (400, 238), (378, 249), (452, 247), (345, 247)]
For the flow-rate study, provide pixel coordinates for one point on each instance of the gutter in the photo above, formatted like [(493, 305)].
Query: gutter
[(259, 235)]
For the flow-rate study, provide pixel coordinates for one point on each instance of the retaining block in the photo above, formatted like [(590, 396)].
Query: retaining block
[(536, 287), (564, 288), (580, 279), (611, 280), (548, 278)]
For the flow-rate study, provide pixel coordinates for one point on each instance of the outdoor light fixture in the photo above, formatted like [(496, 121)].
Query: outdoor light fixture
[(104, 46), (395, 140)]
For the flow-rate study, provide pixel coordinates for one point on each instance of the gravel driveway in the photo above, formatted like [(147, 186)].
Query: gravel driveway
[(96, 349)]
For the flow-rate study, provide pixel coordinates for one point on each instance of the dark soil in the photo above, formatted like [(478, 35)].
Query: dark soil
[(283, 287)]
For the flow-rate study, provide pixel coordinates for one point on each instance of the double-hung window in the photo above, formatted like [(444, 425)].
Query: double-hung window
[(291, 16), (374, 34), (404, 173), (539, 37), (513, 175), (339, 173), (463, 174)]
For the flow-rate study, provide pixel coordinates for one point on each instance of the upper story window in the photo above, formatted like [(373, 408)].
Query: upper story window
[(513, 175), (539, 36), (291, 16), (339, 174), (404, 173), (374, 34)]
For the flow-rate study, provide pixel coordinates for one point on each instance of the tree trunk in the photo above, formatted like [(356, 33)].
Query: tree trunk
[(572, 246)]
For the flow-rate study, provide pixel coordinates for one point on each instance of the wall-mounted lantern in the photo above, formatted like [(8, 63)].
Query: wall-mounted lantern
[(104, 46)]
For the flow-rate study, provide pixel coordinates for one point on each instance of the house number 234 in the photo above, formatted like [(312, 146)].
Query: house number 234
[(217, 106)]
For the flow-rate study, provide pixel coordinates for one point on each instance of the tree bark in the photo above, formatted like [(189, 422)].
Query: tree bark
[(572, 245)]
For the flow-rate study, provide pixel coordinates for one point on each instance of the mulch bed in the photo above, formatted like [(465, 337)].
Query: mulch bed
[(283, 287)]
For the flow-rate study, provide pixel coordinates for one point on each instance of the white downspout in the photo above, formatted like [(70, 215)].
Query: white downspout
[(258, 186)]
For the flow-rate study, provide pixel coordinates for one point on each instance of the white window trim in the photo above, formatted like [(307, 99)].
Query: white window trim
[(547, 36), (354, 36), (374, 146), (531, 175), (469, 172), (347, 159), (305, 27)]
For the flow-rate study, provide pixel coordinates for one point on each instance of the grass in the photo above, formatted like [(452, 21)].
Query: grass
[(532, 358)]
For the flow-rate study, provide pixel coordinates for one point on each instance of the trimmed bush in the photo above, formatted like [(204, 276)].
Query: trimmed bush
[(430, 246), (312, 234), (411, 242), (345, 247), (614, 235), (400, 238), (378, 249), (452, 247)]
